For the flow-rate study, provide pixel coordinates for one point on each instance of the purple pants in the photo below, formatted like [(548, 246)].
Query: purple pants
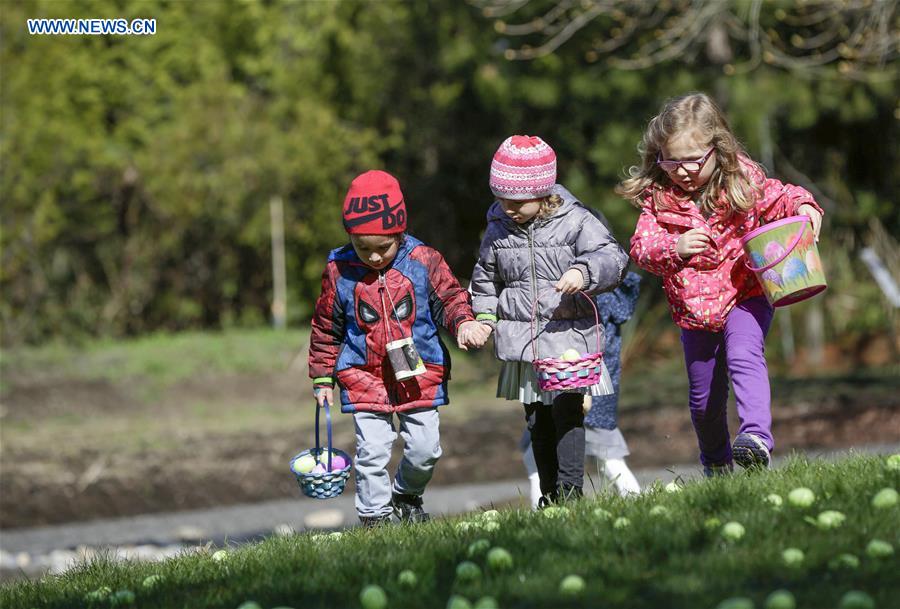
[(739, 352)]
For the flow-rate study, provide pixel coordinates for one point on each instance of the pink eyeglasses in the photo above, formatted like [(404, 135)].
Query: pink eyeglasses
[(694, 166)]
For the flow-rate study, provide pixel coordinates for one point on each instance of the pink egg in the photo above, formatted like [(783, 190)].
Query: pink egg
[(319, 469), (773, 250), (338, 462)]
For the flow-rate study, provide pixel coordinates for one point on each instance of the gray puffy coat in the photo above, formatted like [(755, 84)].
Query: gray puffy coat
[(516, 263)]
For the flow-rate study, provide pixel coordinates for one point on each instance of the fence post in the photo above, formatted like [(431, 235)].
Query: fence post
[(279, 275)]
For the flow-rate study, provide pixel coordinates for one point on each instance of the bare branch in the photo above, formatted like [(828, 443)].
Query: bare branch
[(859, 36)]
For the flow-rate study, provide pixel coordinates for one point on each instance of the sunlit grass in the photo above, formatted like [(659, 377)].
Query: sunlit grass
[(677, 558)]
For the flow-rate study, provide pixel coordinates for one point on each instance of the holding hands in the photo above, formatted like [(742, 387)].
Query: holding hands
[(692, 242), (472, 334)]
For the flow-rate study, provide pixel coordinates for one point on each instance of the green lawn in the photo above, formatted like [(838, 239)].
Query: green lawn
[(662, 550), (158, 360)]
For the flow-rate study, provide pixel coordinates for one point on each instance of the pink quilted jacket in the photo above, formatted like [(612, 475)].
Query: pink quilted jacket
[(703, 289)]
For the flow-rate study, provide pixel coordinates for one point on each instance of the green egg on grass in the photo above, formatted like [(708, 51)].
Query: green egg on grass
[(780, 599), (878, 548), (733, 531), (775, 501), (572, 585), (885, 499), (468, 571), (830, 519), (478, 547), (407, 579), (499, 559), (373, 597), (621, 523), (801, 497), (486, 602), (458, 602), (793, 557), (856, 599)]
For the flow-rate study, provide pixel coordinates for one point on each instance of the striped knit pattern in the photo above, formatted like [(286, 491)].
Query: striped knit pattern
[(524, 167)]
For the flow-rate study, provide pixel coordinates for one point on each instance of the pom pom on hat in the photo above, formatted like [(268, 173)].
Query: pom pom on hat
[(374, 205), (524, 167)]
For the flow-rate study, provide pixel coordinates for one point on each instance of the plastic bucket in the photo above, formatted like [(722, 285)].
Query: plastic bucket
[(785, 259)]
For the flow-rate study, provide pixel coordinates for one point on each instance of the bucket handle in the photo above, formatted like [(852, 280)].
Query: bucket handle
[(787, 252), (534, 313), (328, 426)]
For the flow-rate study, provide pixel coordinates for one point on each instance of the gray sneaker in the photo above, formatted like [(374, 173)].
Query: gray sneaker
[(370, 522), (408, 508), (749, 451)]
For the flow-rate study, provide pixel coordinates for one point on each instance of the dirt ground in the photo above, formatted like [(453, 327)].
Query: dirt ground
[(49, 481)]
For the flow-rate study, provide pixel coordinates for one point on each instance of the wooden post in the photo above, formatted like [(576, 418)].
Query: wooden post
[(279, 275)]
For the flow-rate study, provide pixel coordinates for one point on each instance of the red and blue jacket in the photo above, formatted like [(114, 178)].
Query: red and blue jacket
[(360, 310)]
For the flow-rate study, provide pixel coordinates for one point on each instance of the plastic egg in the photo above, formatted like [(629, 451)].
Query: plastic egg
[(338, 462), (303, 465), (318, 469), (571, 355)]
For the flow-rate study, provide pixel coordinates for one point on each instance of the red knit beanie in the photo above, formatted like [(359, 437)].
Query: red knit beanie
[(524, 167), (374, 205)]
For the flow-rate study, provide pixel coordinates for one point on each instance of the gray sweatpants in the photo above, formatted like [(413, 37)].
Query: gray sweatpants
[(375, 435)]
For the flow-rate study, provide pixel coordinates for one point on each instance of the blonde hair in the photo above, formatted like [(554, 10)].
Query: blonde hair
[(549, 205), (698, 112)]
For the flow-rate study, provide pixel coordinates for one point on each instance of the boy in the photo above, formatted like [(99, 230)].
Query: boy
[(375, 331)]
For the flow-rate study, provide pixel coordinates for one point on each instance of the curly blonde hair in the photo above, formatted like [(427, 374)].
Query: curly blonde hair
[(549, 205), (698, 112)]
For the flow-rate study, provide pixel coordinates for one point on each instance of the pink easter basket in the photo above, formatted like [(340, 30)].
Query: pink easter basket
[(557, 374)]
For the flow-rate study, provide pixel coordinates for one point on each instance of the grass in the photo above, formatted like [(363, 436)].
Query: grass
[(674, 560), (160, 359)]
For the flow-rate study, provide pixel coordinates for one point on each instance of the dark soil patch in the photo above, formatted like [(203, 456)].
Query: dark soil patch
[(215, 470)]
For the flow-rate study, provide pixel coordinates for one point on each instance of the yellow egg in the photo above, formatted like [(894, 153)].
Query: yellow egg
[(571, 355)]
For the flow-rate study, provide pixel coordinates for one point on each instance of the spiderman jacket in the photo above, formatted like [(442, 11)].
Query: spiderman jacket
[(360, 310)]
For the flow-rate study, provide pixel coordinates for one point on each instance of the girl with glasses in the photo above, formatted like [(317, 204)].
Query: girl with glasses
[(698, 193)]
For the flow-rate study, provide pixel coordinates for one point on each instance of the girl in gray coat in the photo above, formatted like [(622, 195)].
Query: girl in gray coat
[(541, 245)]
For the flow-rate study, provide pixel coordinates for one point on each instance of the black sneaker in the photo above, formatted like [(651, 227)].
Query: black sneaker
[(750, 451), (408, 508), (568, 492), (370, 522)]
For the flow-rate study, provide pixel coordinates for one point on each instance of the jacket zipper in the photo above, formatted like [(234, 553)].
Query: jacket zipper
[(382, 287), (389, 387), (534, 292)]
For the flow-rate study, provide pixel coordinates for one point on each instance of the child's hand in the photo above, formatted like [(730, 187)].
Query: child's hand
[(692, 242), (472, 334), (808, 210), (571, 282), (323, 394)]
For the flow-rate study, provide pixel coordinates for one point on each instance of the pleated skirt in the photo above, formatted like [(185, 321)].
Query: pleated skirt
[(519, 382)]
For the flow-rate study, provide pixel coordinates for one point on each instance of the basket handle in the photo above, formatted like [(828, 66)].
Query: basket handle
[(534, 314), (787, 252), (328, 426)]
